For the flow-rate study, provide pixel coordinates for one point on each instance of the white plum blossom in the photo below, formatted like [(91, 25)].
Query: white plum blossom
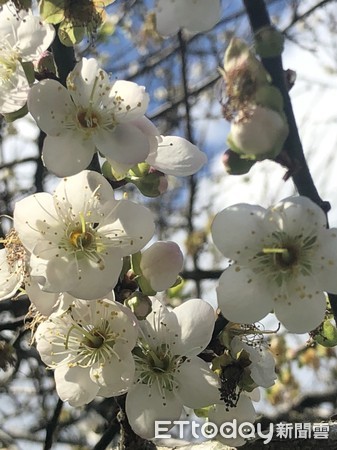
[(161, 263), (78, 236), (15, 276), (194, 15), (23, 38), (169, 374), (257, 132), (89, 346), (284, 257), (262, 366), (12, 270), (244, 411), (92, 114)]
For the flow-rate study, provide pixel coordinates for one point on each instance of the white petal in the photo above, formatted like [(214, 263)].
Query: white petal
[(243, 412), (303, 310), (137, 223), (44, 302), (67, 154), (263, 372), (176, 156), (33, 216), (74, 385), (56, 281), (51, 106), (126, 144), (145, 405), (166, 18), (153, 328), (88, 84), (324, 262), (243, 297), (132, 100), (33, 37), (77, 193), (14, 91), (194, 376), (238, 230), (48, 341), (196, 320), (297, 215), (9, 24), (198, 15), (115, 377), (95, 282), (146, 126)]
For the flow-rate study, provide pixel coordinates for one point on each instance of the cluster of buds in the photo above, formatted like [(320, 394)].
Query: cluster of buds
[(254, 107)]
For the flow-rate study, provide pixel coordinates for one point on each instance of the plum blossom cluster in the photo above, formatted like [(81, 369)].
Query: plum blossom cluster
[(85, 257), (254, 107)]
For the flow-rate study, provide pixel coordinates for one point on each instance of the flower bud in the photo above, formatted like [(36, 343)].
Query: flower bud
[(152, 184), (258, 133), (45, 65), (161, 263), (242, 70), (139, 304), (269, 42)]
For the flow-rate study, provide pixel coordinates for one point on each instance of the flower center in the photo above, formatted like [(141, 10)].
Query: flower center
[(88, 119), (285, 257), (81, 240), (8, 62), (90, 344), (157, 365)]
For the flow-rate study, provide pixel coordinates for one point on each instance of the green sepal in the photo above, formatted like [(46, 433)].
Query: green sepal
[(202, 412), (28, 68), (70, 34), (269, 97), (145, 286), (176, 289), (269, 42), (147, 184), (140, 170), (11, 117), (327, 335), (110, 173), (246, 382), (142, 282), (52, 11), (235, 164)]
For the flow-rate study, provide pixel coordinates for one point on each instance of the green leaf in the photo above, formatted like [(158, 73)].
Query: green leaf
[(327, 336), (52, 11), (70, 34)]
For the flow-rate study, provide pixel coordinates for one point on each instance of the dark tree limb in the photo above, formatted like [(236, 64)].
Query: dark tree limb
[(52, 426)]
